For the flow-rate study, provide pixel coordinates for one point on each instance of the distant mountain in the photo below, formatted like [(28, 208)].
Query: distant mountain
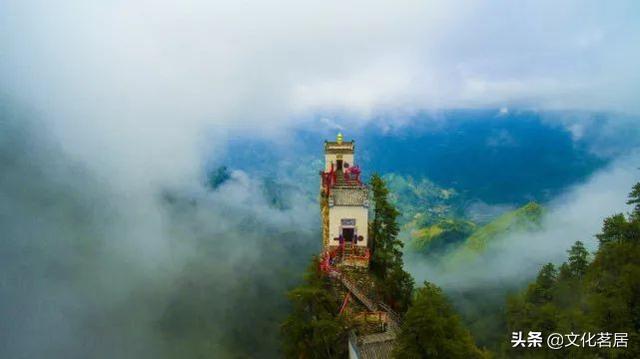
[(461, 238), (497, 159), (434, 219), (437, 238), (420, 201), (486, 155), (525, 218)]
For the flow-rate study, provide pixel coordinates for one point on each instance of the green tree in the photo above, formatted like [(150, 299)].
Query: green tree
[(536, 310), (617, 229), (578, 260), (394, 284), (431, 329), (613, 278), (541, 291), (598, 296), (386, 246), (314, 330), (634, 199)]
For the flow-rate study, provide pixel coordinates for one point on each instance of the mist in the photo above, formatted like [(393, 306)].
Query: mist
[(92, 271), (111, 244), (515, 258)]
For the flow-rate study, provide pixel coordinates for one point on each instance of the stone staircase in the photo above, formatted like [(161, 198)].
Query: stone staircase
[(353, 289), (377, 345)]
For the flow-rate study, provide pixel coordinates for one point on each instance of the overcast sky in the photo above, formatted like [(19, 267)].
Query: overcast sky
[(145, 80), (108, 106)]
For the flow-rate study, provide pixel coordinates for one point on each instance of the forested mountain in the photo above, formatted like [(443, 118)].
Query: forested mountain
[(445, 234), (597, 293), (525, 218), (461, 237), (432, 329), (421, 202)]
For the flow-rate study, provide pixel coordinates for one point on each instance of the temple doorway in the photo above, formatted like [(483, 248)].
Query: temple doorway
[(348, 234)]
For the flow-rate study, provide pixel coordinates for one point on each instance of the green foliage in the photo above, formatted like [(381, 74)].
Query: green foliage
[(578, 260), (613, 280), (482, 309), (552, 303), (441, 236), (396, 288), (314, 330), (393, 283), (431, 329), (617, 229), (541, 291), (384, 230), (634, 198), (421, 201), (524, 218), (582, 296)]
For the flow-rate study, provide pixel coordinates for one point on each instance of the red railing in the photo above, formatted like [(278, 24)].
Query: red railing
[(350, 177), (344, 303), (344, 251)]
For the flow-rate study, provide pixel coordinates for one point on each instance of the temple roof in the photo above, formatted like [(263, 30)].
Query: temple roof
[(377, 350), (376, 345), (339, 147)]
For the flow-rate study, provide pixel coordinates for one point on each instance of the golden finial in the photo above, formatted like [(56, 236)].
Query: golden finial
[(339, 138)]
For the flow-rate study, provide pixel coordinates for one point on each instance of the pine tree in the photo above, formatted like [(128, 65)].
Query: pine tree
[(431, 329), (541, 291), (394, 284), (384, 229), (578, 260), (314, 330), (596, 296), (634, 198), (614, 278)]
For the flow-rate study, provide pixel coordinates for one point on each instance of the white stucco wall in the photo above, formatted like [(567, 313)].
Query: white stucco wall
[(360, 214), (328, 158)]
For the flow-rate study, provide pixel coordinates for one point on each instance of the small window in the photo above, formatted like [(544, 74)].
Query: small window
[(348, 222)]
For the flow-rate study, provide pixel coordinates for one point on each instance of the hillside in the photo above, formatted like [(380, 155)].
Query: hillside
[(433, 232), (589, 290), (524, 218), (420, 201), (440, 236)]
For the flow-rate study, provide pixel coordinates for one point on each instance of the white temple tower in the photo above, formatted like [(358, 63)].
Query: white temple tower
[(344, 204)]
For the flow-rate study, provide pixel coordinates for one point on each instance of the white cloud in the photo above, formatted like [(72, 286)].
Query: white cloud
[(143, 81), (142, 91), (331, 124)]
